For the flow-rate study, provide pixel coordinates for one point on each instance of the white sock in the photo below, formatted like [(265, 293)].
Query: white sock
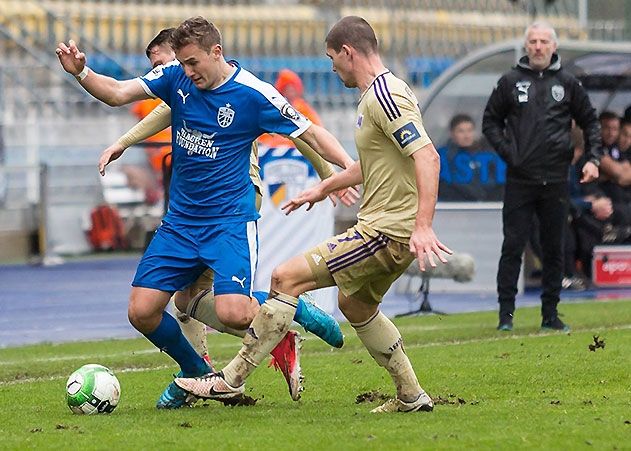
[(267, 329), (202, 308), (384, 343), (193, 330)]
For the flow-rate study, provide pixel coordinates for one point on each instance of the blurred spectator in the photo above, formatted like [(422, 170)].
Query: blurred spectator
[(590, 210), (527, 120), (609, 131), (289, 84), (627, 114), (620, 194), (616, 166), (624, 141), (467, 172)]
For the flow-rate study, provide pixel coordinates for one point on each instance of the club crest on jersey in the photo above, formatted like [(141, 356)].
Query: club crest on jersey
[(225, 115), (290, 112), (558, 92), (522, 88)]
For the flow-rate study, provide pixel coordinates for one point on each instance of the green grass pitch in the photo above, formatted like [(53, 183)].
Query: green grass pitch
[(519, 390)]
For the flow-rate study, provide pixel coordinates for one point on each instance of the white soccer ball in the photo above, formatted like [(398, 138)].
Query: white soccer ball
[(92, 389)]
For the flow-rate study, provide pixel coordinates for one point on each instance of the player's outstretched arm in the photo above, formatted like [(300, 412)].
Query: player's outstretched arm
[(106, 89), (349, 177), (423, 242), (348, 196), (619, 172), (156, 121), (324, 143), (321, 166)]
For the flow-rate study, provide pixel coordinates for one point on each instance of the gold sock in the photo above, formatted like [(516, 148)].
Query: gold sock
[(193, 330), (267, 329), (384, 343), (202, 308)]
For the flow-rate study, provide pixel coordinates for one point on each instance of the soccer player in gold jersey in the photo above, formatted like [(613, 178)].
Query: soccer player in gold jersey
[(399, 167)]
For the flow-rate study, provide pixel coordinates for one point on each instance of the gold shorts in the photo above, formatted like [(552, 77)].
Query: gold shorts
[(362, 262)]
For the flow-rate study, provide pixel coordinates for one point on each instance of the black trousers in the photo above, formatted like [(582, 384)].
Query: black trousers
[(521, 203)]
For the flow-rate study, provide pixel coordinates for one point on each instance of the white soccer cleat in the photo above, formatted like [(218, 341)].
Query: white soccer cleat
[(422, 404), (210, 386)]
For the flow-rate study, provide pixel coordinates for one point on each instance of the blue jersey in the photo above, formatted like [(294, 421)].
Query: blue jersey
[(213, 131)]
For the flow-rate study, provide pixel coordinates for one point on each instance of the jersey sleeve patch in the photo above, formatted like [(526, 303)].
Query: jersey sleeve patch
[(290, 112), (406, 134)]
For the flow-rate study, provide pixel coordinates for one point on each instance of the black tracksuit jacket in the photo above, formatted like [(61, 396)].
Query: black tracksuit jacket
[(528, 120)]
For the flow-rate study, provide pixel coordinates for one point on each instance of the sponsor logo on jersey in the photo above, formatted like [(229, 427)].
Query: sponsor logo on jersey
[(558, 92), (331, 246), (225, 116), (196, 142), (179, 91), (406, 134), (522, 88), (316, 258), (290, 112), (360, 120), (155, 73)]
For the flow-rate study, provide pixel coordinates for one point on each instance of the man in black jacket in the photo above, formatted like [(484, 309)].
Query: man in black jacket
[(528, 120)]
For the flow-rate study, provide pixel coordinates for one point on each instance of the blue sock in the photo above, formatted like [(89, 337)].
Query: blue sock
[(261, 297), (168, 337)]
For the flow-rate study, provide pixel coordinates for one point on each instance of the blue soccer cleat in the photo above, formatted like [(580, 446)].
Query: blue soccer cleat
[(173, 397), (318, 322)]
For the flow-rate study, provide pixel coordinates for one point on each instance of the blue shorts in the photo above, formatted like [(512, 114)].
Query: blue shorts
[(179, 254)]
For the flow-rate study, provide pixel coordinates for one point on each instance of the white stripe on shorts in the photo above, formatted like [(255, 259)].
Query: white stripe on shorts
[(253, 244)]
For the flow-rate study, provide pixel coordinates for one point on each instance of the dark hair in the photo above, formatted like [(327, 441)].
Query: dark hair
[(627, 113), (355, 32), (459, 119), (198, 31), (608, 116), (161, 38)]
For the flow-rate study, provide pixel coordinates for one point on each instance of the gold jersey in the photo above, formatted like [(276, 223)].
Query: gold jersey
[(389, 129)]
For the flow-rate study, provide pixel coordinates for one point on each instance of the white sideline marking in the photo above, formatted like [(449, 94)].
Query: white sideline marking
[(54, 378), (224, 345), (97, 356)]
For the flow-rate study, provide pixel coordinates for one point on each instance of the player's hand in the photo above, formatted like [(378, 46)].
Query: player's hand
[(71, 59), (310, 196), (110, 154), (348, 196), (425, 244)]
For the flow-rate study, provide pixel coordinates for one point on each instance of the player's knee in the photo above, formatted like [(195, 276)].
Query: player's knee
[(144, 318), (140, 320), (344, 304), (355, 310), (235, 313), (181, 300), (283, 279)]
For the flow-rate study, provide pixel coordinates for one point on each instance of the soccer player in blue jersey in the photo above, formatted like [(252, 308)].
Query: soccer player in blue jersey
[(201, 310), (217, 110)]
